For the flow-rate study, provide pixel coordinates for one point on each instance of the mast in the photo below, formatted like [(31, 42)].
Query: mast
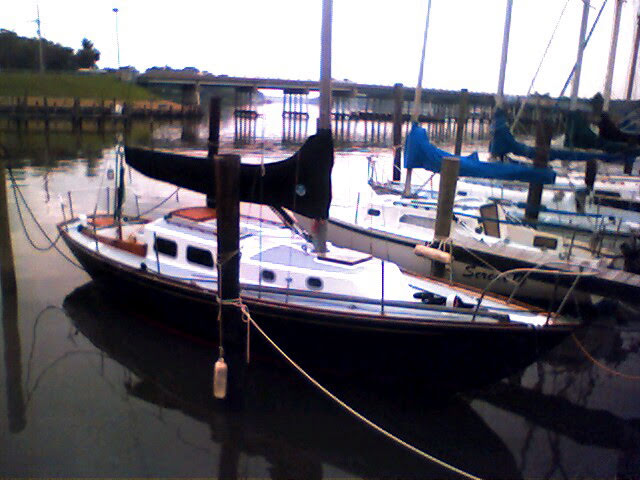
[(417, 100), (324, 121), (581, 44), (634, 56), (505, 50), (612, 56)]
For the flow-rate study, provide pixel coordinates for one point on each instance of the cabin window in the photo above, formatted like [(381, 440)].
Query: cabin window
[(418, 221), (608, 193), (545, 242), (268, 276), (374, 212), (165, 247), (314, 283), (199, 256)]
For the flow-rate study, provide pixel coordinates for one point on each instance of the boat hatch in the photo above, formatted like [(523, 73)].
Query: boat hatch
[(101, 221), (291, 256), (197, 214), (345, 257), (490, 220), (201, 219)]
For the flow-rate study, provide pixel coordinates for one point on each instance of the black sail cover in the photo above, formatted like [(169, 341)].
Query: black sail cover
[(301, 183)]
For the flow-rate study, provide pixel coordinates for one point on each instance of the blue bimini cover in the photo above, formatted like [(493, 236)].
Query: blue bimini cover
[(503, 142), (420, 153)]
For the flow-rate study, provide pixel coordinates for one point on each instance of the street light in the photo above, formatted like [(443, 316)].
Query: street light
[(115, 10)]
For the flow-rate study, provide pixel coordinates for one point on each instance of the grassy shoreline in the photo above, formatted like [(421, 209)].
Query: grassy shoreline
[(72, 85)]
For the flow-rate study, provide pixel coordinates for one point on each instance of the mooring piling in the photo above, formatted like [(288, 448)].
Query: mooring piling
[(461, 120), (232, 329), (214, 126), (543, 145), (16, 408), (444, 215), (398, 97)]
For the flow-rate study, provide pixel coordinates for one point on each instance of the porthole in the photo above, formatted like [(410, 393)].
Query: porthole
[(314, 283), (268, 276)]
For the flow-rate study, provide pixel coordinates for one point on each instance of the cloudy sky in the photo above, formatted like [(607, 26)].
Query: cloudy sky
[(374, 41)]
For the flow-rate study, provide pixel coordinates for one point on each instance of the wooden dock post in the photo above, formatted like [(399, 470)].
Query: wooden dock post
[(463, 113), (76, 118), (398, 97), (12, 354), (234, 331), (214, 126), (45, 109), (534, 196), (590, 172), (446, 196)]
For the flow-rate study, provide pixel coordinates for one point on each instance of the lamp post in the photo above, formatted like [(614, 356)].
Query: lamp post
[(115, 10)]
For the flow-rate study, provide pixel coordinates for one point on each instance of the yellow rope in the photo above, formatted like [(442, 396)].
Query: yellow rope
[(602, 365), (353, 412)]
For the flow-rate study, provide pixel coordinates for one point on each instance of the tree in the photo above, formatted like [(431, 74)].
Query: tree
[(88, 55)]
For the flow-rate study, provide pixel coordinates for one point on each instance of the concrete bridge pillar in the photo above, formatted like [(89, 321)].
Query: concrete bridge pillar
[(191, 96), (295, 115), (245, 116)]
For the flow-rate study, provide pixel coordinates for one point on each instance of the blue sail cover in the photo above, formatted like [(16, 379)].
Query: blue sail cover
[(503, 142), (421, 153)]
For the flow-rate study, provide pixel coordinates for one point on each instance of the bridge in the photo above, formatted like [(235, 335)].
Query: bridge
[(339, 87)]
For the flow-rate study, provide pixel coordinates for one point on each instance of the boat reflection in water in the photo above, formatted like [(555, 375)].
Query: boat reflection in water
[(294, 427)]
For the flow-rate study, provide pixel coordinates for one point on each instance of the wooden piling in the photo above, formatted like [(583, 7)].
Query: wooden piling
[(398, 91), (214, 126), (463, 113), (590, 172), (543, 145), (446, 196), (12, 350), (234, 331), (76, 118)]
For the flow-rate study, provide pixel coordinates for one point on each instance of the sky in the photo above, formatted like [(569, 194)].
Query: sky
[(374, 41)]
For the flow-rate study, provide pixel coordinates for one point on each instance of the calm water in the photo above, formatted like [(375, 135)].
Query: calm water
[(93, 388)]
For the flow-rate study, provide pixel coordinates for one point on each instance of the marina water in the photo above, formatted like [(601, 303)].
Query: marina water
[(93, 386)]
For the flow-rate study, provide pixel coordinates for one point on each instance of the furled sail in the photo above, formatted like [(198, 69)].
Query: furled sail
[(629, 130), (503, 143), (421, 153), (301, 183), (580, 135)]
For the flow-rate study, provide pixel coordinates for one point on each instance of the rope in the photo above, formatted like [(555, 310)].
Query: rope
[(586, 42), (527, 271), (16, 191), (51, 242), (346, 407), (613, 372), (546, 50), (175, 192)]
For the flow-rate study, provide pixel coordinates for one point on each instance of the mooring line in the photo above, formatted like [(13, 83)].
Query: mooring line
[(627, 376), (358, 415)]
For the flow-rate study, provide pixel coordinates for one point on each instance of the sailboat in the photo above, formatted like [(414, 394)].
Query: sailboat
[(325, 305), (488, 232)]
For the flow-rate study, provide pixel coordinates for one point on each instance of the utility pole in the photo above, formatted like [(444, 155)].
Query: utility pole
[(115, 10), (40, 56)]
